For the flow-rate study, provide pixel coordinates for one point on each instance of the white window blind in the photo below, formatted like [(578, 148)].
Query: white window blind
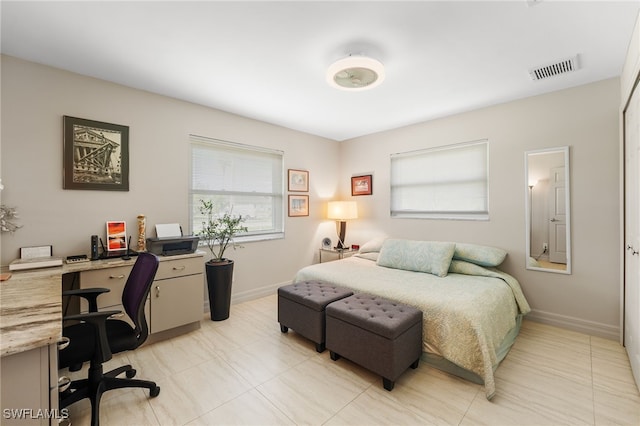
[(240, 179), (450, 182)]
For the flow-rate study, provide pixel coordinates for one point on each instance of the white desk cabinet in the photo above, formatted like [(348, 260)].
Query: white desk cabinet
[(176, 297), (177, 294), (30, 388)]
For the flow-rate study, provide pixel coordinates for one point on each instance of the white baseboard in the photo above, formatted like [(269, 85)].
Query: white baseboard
[(591, 328), (252, 294)]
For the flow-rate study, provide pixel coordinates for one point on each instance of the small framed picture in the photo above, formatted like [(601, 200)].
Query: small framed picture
[(298, 205), (96, 155), (298, 180), (116, 235), (362, 185)]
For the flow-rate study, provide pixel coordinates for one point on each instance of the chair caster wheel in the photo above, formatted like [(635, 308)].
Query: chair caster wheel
[(131, 373), (154, 392)]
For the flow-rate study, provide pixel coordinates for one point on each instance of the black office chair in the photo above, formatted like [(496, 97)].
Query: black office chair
[(97, 337)]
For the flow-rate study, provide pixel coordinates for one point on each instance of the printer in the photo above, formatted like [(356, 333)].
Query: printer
[(171, 246)]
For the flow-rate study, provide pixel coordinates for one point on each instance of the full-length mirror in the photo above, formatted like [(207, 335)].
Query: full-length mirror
[(547, 204)]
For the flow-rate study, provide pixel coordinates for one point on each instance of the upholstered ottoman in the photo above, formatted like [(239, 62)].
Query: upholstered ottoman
[(381, 335), (301, 306)]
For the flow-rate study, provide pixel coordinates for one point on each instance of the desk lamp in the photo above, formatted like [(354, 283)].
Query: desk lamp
[(341, 211)]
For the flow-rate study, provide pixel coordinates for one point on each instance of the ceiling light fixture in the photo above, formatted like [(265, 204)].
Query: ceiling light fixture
[(355, 73)]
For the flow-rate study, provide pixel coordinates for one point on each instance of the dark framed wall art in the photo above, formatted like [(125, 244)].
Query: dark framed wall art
[(362, 185), (96, 155)]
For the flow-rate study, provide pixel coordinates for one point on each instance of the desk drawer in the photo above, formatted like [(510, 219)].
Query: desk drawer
[(180, 267), (111, 278)]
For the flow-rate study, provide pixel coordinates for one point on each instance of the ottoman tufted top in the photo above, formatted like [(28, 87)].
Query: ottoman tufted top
[(383, 317), (313, 294)]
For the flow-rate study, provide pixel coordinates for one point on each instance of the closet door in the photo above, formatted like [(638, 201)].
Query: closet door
[(632, 232)]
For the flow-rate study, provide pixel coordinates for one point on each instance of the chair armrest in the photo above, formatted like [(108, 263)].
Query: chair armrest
[(91, 317), (90, 294), (98, 321)]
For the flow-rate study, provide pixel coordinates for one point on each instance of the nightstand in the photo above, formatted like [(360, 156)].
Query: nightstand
[(329, 254)]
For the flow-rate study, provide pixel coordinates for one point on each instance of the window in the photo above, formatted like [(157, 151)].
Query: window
[(240, 179), (448, 182)]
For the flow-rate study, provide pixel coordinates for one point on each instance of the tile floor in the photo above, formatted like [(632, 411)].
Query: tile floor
[(243, 371)]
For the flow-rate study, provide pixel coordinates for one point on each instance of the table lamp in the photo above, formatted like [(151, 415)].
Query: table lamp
[(341, 211)]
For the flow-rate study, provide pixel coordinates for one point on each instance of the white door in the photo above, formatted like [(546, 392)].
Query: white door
[(632, 233), (557, 217)]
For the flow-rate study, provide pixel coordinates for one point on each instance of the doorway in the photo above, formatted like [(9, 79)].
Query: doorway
[(631, 305)]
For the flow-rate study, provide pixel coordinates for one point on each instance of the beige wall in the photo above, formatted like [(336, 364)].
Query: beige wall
[(585, 118), (34, 99)]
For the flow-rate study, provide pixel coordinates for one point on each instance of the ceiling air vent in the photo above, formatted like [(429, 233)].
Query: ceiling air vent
[(557, 68)]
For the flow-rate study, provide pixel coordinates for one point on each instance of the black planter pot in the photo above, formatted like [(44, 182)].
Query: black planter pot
[(219, 279)]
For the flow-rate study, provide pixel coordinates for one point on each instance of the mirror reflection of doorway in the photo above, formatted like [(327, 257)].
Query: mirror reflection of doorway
[(557, 217), (548, 210)]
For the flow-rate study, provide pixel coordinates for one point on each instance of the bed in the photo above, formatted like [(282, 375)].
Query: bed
[(472, 311)]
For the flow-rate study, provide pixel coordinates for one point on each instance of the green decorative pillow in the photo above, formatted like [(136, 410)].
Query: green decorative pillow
[(480, 255), (466, 268), (432, 257)]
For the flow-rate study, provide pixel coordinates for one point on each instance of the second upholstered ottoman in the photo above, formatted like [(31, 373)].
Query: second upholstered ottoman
[(381, 335), (301, 306)]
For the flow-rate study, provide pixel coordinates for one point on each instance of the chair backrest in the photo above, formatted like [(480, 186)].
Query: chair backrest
[(136, 290)]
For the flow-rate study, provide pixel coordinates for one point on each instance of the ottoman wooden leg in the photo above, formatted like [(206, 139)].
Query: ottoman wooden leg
[(334, 356), (284, 328), (320, 347), (415, 364), (388, 384)]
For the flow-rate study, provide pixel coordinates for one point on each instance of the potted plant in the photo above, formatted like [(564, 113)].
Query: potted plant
[(218, 232)]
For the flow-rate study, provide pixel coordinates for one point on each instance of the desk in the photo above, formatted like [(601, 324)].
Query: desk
[(31, 305), (31, 322), (30, 327), (30, 310)]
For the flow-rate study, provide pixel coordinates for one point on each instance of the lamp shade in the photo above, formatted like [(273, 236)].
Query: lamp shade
[(342, 210)]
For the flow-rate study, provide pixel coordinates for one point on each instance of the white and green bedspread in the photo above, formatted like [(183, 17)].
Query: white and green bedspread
[(467, 313)]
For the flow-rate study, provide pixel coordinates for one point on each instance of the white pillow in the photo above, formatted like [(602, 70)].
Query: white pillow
[(372, 246), (369, 256), (432, 257)]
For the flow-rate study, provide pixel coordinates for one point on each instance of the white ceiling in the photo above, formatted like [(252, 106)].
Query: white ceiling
[(267, 60)]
